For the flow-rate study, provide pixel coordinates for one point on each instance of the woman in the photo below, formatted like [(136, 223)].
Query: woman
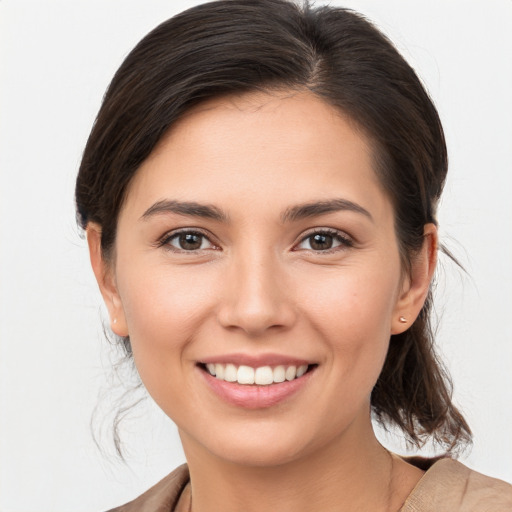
[(259, 193)]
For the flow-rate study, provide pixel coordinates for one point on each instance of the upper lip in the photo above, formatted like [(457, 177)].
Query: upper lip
[(256, 360)]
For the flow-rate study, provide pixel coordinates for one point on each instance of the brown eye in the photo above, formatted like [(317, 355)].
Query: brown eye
[(188, 241), (321, 242), (324, 241)]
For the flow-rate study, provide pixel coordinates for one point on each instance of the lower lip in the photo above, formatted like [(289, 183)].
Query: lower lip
[(254, 396)]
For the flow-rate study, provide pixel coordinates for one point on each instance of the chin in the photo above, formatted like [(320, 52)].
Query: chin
[(257, 444), (261, 454)]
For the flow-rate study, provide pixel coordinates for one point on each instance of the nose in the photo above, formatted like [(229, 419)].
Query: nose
[(257, 296)]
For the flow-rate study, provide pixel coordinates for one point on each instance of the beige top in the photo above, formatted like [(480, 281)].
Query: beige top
[(447, 486)]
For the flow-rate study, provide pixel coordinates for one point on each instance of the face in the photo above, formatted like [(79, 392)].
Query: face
[(256, 244)]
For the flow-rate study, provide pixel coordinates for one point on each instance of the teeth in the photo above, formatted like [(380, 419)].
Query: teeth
[(291, 372), (245, 375), (279, 374), (219, 371), (230, 373), (301, 370), (262, 376)]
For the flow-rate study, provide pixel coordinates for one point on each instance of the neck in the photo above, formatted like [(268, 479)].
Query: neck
[(353, 473)]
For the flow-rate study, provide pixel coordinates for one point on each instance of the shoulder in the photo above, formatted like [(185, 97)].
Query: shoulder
[(449, 485), (161, 497)]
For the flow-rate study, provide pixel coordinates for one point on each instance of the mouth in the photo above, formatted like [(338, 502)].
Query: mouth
[(256, 376)]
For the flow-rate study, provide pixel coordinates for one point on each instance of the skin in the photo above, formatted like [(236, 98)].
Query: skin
[(256, 286)]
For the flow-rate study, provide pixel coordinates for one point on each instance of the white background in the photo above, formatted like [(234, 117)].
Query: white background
[(57, 58)]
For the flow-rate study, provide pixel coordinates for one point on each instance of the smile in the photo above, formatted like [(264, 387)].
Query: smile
[(261, 376), (258, 386), (253, 381)]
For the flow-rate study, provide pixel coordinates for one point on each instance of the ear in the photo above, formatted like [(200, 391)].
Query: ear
[(416, 285), (105, 276)]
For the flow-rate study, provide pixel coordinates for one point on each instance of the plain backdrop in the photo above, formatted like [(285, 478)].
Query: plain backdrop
[(57, 58)]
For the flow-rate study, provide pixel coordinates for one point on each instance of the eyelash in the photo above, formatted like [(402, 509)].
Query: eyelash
[(344, 241), (166, 239)]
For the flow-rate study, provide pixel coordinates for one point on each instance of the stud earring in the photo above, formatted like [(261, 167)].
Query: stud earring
[(115, 321), (402, 320)]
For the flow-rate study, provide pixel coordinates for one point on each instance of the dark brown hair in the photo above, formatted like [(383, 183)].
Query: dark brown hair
[(234, 46)]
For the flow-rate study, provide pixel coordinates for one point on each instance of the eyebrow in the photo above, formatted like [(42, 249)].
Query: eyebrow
[(294, 213), (313, 209), (189, 208)]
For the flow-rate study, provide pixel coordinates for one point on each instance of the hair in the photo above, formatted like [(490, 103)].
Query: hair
[(237, 46)]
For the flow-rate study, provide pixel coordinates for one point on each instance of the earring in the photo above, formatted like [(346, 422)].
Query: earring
[(115, 321), (402, 320)]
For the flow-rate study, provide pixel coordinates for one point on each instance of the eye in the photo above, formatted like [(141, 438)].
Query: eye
[(324, 240), (187, 241)]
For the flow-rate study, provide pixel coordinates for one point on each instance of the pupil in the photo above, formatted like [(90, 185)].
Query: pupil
[(321, 242), (190, 241)]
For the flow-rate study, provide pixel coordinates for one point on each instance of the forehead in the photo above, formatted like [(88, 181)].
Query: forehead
[(282, 120), (284, 146)]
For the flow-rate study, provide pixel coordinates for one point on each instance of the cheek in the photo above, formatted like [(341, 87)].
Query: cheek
[(354, 300), (164, 311), (351, 313), (160, 303)]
